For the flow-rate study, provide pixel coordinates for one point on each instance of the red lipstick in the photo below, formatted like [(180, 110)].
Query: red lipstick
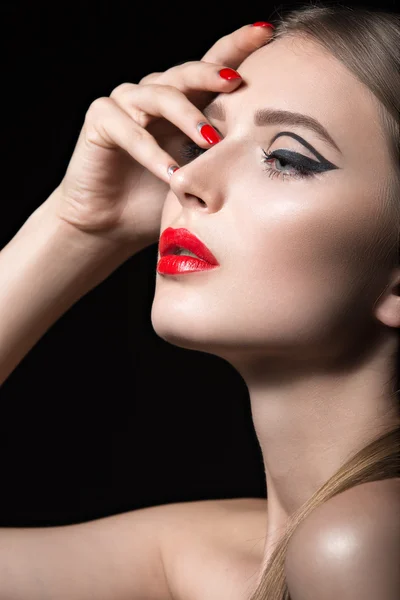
[(173, 260)]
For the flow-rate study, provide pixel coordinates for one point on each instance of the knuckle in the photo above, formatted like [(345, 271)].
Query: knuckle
[(222, 43), (180, 67), (143, 139), (139, 135), (139, 116), (226, 38), (98, 108), (188, 64), (121, 89), (178, 71), (243, 42), (236, 40), (167, 90), (149, 77)]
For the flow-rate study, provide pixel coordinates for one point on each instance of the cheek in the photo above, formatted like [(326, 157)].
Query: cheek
[(307, 241)]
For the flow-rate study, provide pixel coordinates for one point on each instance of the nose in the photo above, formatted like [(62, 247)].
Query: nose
[(200, 184)]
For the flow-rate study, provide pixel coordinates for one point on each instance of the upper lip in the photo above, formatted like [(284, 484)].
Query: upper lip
[(172, 239)]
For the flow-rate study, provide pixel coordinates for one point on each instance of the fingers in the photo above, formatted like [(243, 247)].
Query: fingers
[(232, 49), (143, 103), (107, 125), (151, 78), (120, 120), (228, 51), (198, 76)]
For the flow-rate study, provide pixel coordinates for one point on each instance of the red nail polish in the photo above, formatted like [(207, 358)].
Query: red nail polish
[(208, 133), (263, 24), (171, 169), (229, 74)]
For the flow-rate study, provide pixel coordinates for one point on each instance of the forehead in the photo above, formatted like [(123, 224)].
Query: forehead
[(296, 74), (294, 67)]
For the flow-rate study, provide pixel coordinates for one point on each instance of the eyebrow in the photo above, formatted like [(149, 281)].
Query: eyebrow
[(269, 116)]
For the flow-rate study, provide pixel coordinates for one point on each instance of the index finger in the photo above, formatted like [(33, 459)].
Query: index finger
[(232, 49)]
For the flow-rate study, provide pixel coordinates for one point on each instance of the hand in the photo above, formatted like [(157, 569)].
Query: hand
[(117, 178)]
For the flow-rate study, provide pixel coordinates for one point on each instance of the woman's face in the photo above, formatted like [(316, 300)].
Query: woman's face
[(299, 261)]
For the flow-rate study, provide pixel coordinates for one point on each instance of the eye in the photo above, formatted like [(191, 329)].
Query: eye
[(190, 151), (300, 166)]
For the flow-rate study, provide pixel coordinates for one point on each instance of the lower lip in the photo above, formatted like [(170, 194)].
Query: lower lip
[(180, 265)]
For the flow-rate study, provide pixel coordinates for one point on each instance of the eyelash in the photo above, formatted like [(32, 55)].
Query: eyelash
[(301, 171), (190, 151)]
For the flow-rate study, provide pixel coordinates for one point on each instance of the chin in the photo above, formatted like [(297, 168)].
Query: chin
[(178, 325), (181, 324)]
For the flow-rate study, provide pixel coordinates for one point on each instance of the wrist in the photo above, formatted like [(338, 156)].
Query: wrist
[(68, 237), (47, 267)]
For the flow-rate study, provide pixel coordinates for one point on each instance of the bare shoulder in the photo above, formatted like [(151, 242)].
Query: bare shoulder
[(374, 502), (377, 498), (212, 548), (347, 541)]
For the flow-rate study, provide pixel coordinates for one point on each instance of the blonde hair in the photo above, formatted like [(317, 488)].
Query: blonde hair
[(367, 42)]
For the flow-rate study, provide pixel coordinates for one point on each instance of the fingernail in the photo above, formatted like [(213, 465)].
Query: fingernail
[(229, 74), (263, 24), (208, 133), (171, 169)]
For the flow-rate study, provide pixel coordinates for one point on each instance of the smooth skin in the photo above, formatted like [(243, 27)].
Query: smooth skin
[(104, 190), (303, 280), (304, 303), (107, 207)]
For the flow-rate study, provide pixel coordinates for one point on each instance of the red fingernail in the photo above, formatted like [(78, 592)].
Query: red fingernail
[(229, 74), (171, 169), (263, 24), (208, 133)]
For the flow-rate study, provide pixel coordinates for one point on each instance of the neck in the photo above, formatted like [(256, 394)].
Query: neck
[(309, 422)]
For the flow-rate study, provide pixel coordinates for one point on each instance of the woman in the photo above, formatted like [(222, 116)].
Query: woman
[(286, 189)]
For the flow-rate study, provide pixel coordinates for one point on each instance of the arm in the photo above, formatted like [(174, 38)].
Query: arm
[(113, 558), (116, 183), (348, 548), (44, 270)]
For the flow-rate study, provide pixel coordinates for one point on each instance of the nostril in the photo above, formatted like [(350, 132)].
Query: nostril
[(197, 199)]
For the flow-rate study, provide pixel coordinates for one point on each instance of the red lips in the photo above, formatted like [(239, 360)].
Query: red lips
[(173, 264)]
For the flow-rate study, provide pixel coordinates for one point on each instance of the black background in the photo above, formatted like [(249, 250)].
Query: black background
[(102, 416)]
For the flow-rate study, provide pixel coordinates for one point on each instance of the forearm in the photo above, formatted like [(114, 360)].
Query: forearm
[(44, 270)]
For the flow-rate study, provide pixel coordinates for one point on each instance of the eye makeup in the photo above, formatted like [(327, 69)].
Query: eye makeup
[(301, 166), (323, 161)]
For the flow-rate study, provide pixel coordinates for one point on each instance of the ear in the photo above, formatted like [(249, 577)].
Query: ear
[(387, 306)]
